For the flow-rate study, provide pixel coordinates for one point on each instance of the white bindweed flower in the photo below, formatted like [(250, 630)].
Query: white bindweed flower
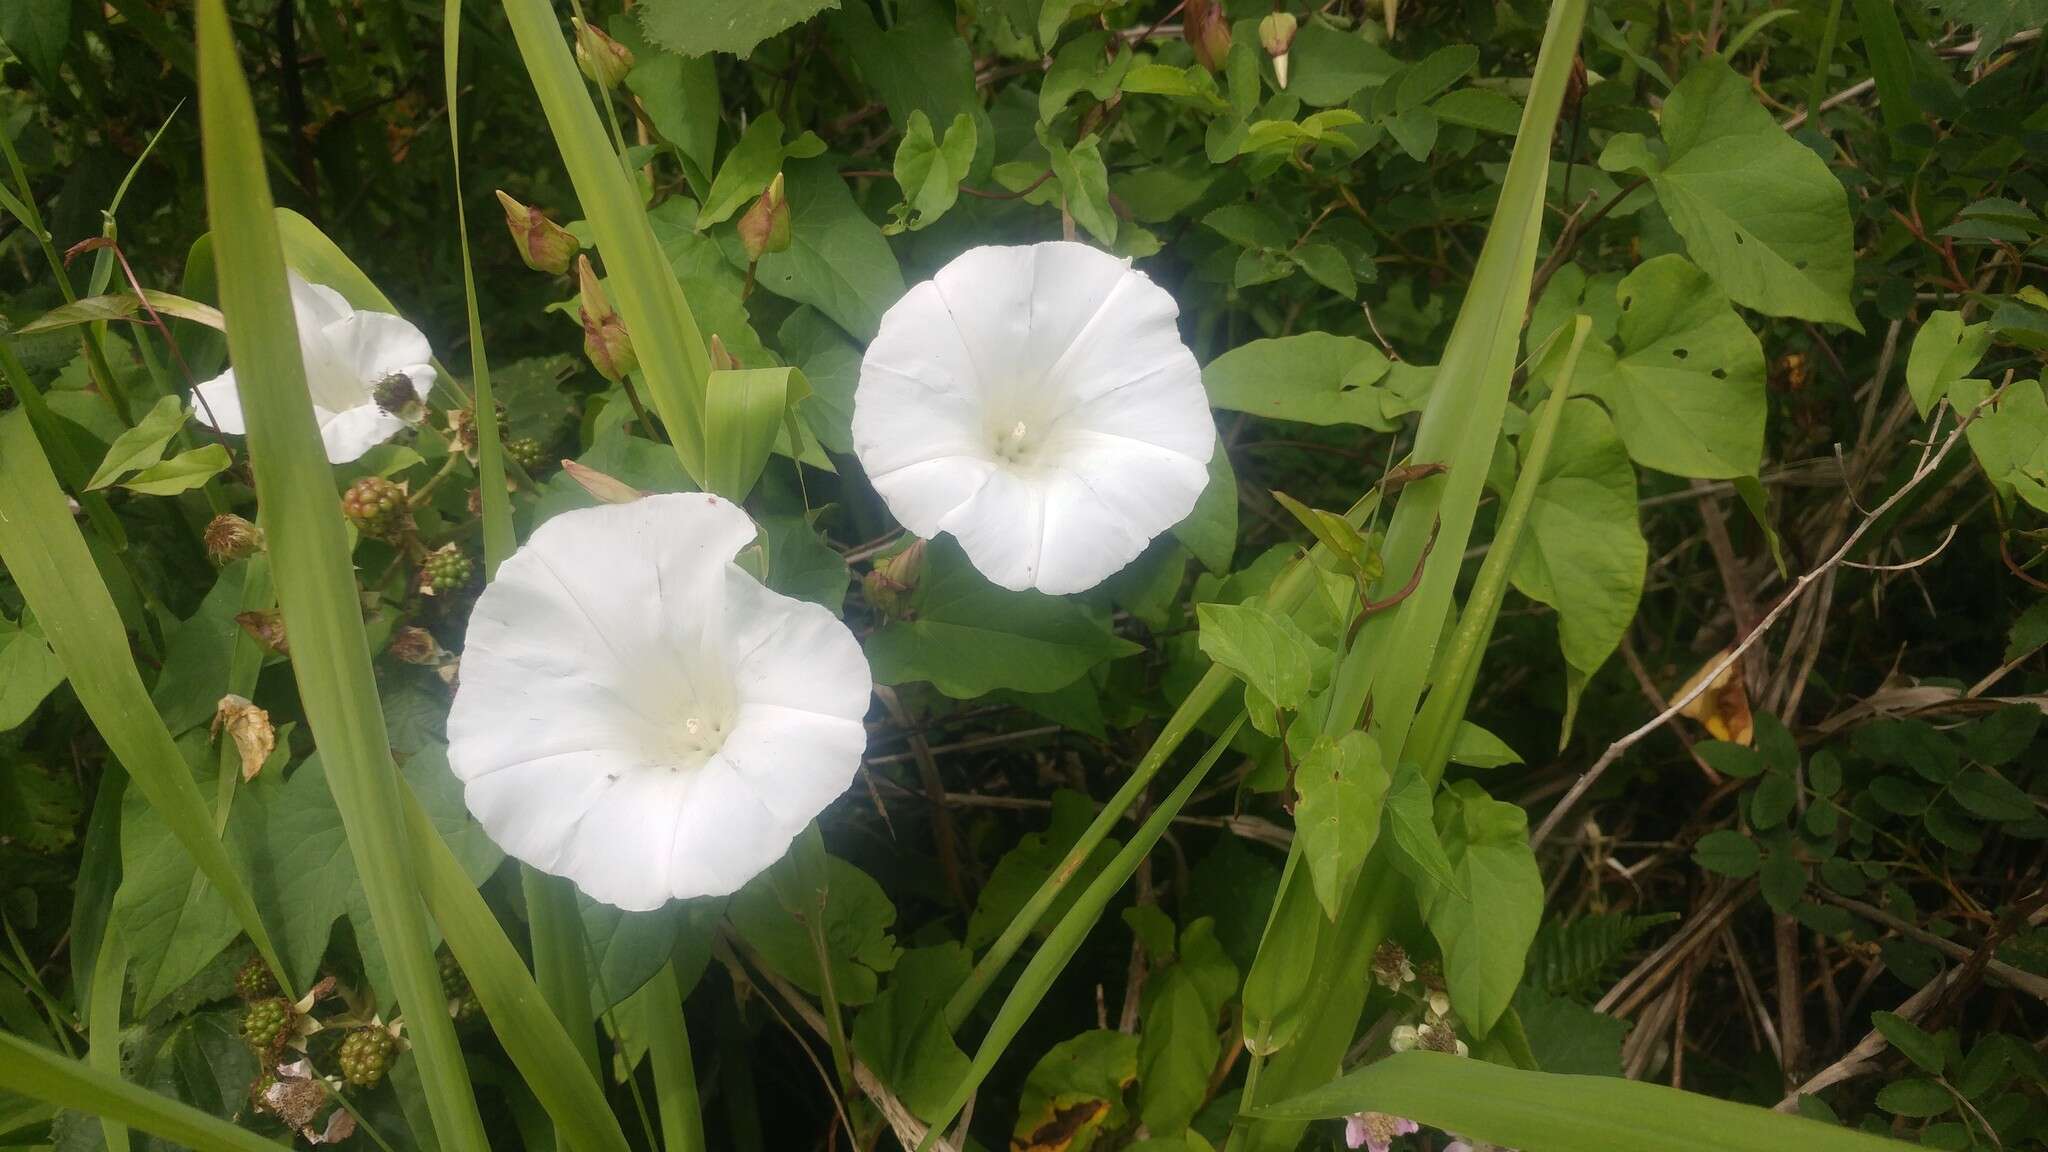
[(641, 716), (1038, 404), (354, 360)]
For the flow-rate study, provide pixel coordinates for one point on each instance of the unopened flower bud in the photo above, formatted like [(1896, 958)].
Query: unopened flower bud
[(1207, 31), (891, 583), (229, 538), (267, 628), (721, 360), (605, 339), (545, 245), (399, 396), (603, 59), (765, 227), (605, 489), (1276, 36)]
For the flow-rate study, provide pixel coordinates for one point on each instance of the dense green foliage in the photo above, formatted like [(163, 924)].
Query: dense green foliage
[(1702, 367)]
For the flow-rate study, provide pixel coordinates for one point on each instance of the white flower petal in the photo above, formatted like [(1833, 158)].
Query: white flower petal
[(641, 716), (1037, 403), (315, 305), (353, 431), (374, 345), (218, 404)]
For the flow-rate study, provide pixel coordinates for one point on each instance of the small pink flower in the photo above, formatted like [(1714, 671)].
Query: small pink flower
[(1375, 1130)]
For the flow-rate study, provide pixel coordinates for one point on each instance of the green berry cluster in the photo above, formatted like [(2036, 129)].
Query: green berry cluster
[(253, 981), (266, 1023), (455, 986), (446, 570), (527, 453), (366, 1055), (377, 507)]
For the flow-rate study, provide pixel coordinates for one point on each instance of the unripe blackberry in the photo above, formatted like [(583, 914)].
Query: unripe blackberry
[(366, 1055), (253, 981), (266, 1023), (527, 452), (377, 507), (444, 570), (454, 984)]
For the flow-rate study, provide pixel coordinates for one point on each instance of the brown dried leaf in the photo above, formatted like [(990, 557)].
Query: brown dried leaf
[(249, 727), (1723, 709)]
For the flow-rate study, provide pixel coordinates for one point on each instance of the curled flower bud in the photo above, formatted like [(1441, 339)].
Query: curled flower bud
[(603, 59), (545, 245), (1207, 31), (890, 584), (1276, 36), (765, 227), (605, 339), (229, 538), (721, 360)]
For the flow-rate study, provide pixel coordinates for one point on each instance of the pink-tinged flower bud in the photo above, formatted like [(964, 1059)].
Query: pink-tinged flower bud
[(765, 227), (1207, 31), (892, 582), (229, 538), (1276, 36), (544, 245), (603, 59), (721, 360), (605, 339)]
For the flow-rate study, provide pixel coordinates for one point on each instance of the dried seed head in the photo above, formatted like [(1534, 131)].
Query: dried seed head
[(229, 538)]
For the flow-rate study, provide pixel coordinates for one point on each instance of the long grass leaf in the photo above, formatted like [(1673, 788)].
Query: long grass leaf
[(41, 1074), (47, 557), (1547, 1112), (675, 1074), (103, 1022), (512, 1002), (310, 562), (673, 361)]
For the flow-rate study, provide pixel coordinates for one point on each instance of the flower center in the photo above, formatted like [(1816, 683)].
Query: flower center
[(695, 739), (1014, 444)]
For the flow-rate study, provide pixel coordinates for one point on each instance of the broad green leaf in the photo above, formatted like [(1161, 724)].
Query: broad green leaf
[(1475, 747), (695, 27), (708, 279), (1481, 108), (1687, 387), (1485, 939), (1342, 786), (680, 96), (1411, 818), (1210, 531), (1567, 1037), (831, 362), (1585, 555), (181, 473), (800, 564), (174, 924), (1328, 67), (1177, 1050), (1023, 869), (903, 1036), (626, 948), (969, 637), (1075, 1091), (837, 260), (749, 167), (929, 171), (772, 911), (1276, 660), (1757, 209), (1916, 1045), (2009, 438), (1313, 377), (1915, 1098), (1728, 853), (29, 672), (1545, 1112), (1945, 350), (143, 445), (1430, 77), (1084, 184), (921, 63), (36, 32), (1081, 65)]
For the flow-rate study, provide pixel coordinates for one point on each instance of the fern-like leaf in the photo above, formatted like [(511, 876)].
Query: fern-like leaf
[(1569, 956)]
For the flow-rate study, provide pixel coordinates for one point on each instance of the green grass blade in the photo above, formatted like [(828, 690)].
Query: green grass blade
[(103, 1022), (532, 1036), (559, 957), (310, 563), (47, 557), (41, 1074), (1546, 1112), (1457, 666), (1066, 936), (675, 1074), (673, 362)]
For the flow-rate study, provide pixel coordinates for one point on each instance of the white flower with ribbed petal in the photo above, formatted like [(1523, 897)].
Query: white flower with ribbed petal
[(1037, 403), (642, 716), (347, 354)]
